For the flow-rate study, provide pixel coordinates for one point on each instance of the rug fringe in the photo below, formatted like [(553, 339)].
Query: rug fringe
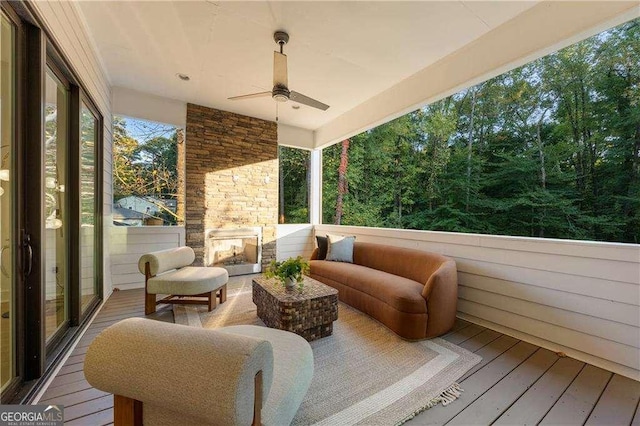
[(447, 396)]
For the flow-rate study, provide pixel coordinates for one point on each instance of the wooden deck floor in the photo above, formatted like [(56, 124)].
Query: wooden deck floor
[(516, 383)]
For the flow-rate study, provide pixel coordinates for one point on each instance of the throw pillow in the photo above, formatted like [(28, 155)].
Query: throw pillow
[(323, 245), (340, 248)]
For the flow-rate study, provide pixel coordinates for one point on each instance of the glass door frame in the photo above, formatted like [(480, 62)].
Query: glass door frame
[(78, 99), (35, 51), (17, 152)]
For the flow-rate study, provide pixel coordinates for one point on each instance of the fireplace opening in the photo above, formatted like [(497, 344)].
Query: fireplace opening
[(239, 251)]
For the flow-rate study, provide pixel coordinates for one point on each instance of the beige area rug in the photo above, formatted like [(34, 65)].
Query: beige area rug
[(364, 373)]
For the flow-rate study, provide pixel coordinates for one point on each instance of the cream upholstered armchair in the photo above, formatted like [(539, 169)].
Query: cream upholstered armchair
[(168, 374), (168, 272)]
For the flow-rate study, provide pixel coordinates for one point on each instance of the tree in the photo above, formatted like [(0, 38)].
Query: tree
[(342, 180), (294, 185), (146, 168), (550, 149)]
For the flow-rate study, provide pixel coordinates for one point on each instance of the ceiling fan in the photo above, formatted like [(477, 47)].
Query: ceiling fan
[(280, 91)]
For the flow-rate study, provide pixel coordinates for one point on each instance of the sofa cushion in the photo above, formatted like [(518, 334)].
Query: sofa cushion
[(323, 246), (166, 260), (340, 248), (402, 294), (188, 281)]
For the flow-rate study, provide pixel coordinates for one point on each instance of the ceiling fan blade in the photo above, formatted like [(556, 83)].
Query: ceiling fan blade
[(305, 100), (280, 77), (250, 96)]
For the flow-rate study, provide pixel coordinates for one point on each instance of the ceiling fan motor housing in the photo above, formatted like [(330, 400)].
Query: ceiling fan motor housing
[(280, 94), (281, 37)]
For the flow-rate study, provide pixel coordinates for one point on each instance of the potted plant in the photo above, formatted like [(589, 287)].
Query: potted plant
[(289, 272)]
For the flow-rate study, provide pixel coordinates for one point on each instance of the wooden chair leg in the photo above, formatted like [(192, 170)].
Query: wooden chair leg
[(223, 293), (149, 303), (212, 301), (126, 411)]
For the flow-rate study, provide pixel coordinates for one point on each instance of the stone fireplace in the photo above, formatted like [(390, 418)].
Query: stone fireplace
[(231, 180), (239, 251)]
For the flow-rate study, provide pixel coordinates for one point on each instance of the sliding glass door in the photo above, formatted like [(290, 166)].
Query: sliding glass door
[(89, 132), (50, 204), (55, 245), (8, 199)]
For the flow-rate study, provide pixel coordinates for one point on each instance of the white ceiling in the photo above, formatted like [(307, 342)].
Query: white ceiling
[(341, 53)]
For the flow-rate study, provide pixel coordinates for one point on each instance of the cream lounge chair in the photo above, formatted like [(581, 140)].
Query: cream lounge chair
[(168, 374), (168, 272)]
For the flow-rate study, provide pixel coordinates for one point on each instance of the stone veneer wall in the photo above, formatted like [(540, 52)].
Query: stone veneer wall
[(219, 146)]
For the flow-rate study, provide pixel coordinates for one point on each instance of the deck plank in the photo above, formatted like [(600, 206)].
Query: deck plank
[(618, 402), (490, 352), (70, 368), (66, 379), (75, 398), (576, 403), (75, 359), (534, 404), (477, 384), (89, 407), (55, 392), (100, 418), (480, 340), (464, 334), (496, 400), (459, 324), (496, 381)]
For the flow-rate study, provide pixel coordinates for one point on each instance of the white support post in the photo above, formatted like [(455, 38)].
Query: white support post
[(315, 188)]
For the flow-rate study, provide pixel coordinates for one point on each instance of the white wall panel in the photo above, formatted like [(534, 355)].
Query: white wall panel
[(65, 25), (128, 243), (294, 240)]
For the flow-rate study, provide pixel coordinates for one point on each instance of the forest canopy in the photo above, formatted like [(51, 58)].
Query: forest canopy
[(550, 149)]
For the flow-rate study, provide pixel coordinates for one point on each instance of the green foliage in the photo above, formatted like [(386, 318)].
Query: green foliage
[(551, 149), (145, 165), (294, 268), (294, 185)]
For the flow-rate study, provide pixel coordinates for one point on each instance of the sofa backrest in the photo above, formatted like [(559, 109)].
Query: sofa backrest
[(166, 260), (409, 263)]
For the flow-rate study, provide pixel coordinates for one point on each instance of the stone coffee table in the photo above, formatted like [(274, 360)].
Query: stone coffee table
[(309, 313)]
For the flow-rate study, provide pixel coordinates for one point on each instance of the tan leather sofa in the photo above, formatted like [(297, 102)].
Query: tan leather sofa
[(412, 292)]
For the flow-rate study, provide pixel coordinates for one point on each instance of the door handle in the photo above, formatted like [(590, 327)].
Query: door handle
[(28, 264)]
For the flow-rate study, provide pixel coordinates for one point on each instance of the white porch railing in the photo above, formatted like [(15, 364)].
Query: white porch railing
[(128, 243), (294, 240), (577, 297)]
